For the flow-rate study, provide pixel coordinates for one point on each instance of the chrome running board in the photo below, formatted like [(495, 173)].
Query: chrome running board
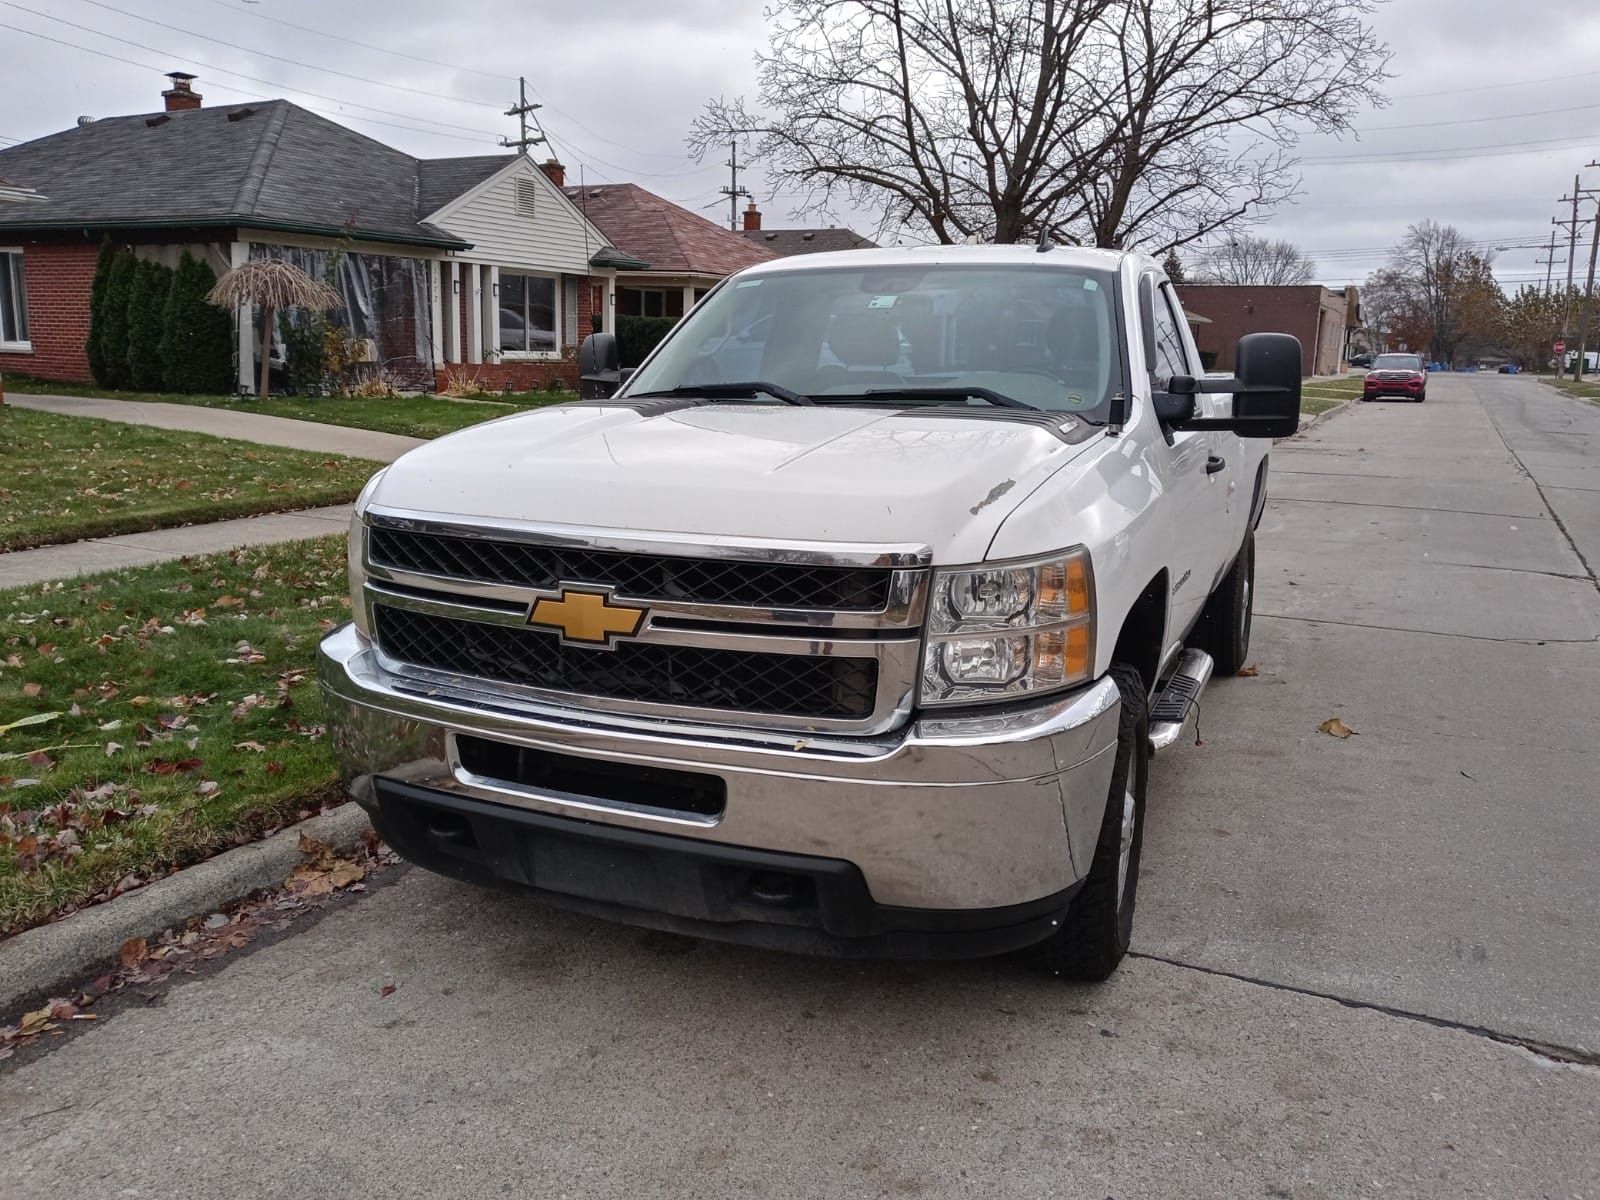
[(1177, 705)]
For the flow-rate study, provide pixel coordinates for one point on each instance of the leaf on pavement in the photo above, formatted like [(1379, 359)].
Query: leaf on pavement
[(1334, 727), (1249, 672), (134, 951)]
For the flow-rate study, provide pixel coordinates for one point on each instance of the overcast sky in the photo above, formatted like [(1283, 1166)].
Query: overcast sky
[(622, 79)]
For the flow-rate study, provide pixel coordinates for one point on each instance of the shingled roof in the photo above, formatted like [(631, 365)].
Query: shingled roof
[(672, 240), (785, 242), (269, 164)]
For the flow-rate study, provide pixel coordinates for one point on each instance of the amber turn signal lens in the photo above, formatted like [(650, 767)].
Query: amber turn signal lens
[(1077, 585), (1078, 651)]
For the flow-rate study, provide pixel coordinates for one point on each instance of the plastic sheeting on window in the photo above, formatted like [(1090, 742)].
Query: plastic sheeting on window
[(385, 308)]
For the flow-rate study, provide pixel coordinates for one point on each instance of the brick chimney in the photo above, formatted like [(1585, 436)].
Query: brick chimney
[(752, 216), (180, 97), (555, 171)]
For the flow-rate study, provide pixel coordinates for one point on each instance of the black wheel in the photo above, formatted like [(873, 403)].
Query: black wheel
[(1224, 628), (1095, 932), (1421, 396)]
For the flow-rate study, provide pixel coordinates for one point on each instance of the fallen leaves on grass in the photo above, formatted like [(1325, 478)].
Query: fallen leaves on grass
[(1334, 727)]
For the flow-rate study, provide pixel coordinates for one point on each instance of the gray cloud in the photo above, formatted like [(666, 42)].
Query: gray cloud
[(622, 79)]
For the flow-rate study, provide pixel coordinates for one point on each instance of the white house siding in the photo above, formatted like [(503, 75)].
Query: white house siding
[(555, 239)]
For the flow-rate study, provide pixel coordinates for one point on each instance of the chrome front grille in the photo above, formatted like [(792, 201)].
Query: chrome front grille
[(796, 586), (682, 676), (805, 637)]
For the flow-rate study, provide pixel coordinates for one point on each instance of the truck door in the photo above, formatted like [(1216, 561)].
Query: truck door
[(1194, 467)]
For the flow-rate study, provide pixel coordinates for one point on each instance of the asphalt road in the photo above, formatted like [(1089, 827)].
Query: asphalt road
[(1341, 942)]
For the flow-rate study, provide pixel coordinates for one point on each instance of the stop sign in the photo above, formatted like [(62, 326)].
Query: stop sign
[(1561, 347)]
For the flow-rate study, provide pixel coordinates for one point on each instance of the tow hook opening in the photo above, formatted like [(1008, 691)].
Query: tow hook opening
[(779, 889)]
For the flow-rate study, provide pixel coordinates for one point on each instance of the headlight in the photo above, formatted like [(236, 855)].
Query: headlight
[(1008, 630), (355, 554)]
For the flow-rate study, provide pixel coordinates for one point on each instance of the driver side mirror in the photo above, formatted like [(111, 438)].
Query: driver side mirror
[(1265, 388), (599, 366)]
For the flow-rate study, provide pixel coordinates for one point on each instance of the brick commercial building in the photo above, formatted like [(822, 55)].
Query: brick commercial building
[(1323, 320), (480, 265)]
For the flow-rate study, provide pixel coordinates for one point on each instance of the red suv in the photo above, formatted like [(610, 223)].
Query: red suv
[(1397, 375)]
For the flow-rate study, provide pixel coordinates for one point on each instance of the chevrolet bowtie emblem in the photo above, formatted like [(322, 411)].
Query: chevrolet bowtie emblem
[(587, 618)]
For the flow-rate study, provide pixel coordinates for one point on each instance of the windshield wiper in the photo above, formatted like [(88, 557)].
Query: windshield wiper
[(998, 399), (712, 391)]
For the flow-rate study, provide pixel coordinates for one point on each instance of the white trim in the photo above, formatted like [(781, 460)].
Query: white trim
[(311, 241), (16, 347), (244, 320), (452, 304), (441, 216), (435, 312), (489, 314), (474, 308)]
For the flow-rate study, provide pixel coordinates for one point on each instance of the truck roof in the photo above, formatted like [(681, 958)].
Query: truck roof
[(968, 255)]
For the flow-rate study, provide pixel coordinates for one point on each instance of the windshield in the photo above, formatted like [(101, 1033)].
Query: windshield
[(1045, 336), (1397, 362)]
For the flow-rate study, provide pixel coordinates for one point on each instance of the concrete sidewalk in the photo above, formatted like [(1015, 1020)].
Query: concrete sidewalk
[(223, 422), (22, 567)]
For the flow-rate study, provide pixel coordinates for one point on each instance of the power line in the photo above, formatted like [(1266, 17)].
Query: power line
[(1482, 87), (364, 45), (1543, 112), (293, 62), (252, 95), (1489, 150), (481, 134)]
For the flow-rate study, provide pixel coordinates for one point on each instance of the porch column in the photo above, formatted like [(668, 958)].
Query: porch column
[(688, 298), (435, 312), (489, 314), (474, 300), (244, 319), (452, 307), (608, 305)]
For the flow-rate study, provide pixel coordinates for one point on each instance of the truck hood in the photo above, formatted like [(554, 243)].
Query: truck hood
[(787, 474)]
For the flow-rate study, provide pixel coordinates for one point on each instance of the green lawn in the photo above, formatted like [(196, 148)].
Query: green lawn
[(1587, 390), (66, 478), (412, 416), (1318, 396), (175, 714)]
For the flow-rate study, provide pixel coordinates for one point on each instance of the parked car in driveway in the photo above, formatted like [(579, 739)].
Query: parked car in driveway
[(1361, 360), (1402, 375)]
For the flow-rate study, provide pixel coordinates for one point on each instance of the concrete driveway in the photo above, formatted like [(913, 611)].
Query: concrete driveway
[(1346, 947)]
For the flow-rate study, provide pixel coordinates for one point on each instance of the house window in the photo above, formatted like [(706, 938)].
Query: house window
[(649, 302), (527, 314), (13, 302), (527, 195)]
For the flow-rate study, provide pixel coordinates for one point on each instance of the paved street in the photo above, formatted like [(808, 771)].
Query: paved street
[(1344, 945)]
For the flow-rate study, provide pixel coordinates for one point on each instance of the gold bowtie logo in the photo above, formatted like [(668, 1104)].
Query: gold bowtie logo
[(587, 618)]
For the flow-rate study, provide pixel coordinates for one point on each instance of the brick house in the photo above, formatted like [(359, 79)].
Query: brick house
[(679, 255), (1323, 319), (481, 265)]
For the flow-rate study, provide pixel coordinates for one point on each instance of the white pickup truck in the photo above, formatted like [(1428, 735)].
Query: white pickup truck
[(847, 623)]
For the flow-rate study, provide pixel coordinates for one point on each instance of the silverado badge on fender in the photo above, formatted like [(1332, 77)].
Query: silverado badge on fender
[(587, 618)]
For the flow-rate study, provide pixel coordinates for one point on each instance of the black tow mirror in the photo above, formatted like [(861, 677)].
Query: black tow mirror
[(1266, 390), (599, 366)]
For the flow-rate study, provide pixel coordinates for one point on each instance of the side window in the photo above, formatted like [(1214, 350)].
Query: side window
[(1170, 357)]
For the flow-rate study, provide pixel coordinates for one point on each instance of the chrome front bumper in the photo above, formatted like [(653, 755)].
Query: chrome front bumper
[(948, 813)]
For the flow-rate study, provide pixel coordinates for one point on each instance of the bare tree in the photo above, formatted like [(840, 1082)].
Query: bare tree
[(1438, 291), (1116, 122), (1264, 262)]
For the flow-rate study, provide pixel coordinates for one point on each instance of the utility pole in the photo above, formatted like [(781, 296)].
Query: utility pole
[(1588, 294), (522, 110), (733, 191), (1549, 263), (1571, 225)]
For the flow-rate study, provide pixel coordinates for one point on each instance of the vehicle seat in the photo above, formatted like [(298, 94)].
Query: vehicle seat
[(867, 344)]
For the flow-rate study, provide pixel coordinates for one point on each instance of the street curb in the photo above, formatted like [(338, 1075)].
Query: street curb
[(1323, 416), (37, 963)]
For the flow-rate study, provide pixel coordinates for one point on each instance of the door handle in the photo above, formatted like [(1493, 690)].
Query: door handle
[(1215, 464)]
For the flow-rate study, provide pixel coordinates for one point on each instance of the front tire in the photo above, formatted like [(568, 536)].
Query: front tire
[(1224, 628), (1095, 932)]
